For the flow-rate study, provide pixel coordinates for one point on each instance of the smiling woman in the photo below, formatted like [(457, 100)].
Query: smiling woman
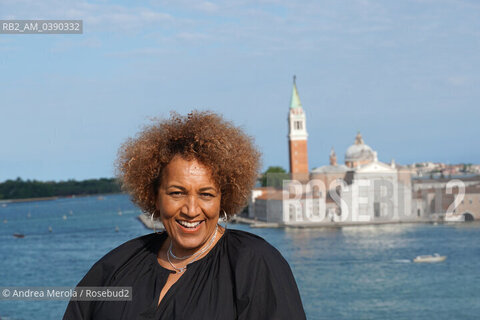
[(187, 171)]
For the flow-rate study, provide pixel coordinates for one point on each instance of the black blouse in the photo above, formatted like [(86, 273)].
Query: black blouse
[(242, 277)]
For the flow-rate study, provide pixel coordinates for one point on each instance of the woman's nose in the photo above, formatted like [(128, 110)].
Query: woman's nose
[(190, 207)]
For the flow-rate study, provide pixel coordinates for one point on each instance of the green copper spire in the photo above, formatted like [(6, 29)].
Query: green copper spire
[(295, 103)]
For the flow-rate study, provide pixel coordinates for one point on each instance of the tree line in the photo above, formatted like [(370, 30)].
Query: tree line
[(21, 189)]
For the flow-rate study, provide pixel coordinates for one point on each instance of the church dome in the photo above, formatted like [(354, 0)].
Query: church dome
[(359, 152)]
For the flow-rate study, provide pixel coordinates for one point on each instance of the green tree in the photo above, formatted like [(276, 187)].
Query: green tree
[(274, 176), (18, 189)]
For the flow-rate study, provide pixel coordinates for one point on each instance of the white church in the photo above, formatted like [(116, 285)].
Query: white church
[(363, 190)]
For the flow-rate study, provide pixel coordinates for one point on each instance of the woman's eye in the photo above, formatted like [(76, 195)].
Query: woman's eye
[(208, 195), (175, 193)]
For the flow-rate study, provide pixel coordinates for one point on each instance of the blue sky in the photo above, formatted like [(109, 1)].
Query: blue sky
[(404, 73)]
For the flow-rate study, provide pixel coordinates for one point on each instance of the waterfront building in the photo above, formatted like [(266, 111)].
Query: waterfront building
[(468, 208), (421, 183), (447, 199), (361, 190)]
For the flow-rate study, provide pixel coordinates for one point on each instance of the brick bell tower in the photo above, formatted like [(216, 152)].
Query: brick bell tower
[(297, 137)]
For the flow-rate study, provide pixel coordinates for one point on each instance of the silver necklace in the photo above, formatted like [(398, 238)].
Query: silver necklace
[(195, 255), (170, 252)]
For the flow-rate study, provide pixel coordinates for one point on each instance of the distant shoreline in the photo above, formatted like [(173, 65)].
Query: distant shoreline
[(56, 197), (34, 190), (28, 199)]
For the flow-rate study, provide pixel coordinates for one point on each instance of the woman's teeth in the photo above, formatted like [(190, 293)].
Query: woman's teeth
[(189, 224)]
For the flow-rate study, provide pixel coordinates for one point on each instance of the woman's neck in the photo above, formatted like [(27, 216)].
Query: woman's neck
[(186, 256)]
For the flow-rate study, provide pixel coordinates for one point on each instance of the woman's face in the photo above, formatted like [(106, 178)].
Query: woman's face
[(189, 204)]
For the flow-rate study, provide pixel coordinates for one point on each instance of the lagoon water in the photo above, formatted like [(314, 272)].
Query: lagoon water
[(346, 273)]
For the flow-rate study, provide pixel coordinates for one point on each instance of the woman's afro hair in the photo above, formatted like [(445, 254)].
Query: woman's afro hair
[(204, 136)]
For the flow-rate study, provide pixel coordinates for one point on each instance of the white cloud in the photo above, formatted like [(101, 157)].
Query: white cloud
[(208, 7), (68, 44), (257, 26), (96, 16), (138, 52), (458, 81)]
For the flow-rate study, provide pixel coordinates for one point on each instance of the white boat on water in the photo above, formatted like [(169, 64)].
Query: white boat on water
[(429, 258), (454, 218)]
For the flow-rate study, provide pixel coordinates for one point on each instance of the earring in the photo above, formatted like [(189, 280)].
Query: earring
[(225, 219), (153, 224)]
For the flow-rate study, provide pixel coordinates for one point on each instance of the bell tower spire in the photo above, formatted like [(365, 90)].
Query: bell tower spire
[(297, 136)]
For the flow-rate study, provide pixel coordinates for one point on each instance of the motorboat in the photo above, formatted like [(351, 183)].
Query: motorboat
[(454, 218), (430, 258), (19, 235)]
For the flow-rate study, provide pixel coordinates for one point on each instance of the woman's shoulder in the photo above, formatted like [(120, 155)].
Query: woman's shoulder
[(264, 283), (249, 246), (145, 243), (132, 252), (244, 239)]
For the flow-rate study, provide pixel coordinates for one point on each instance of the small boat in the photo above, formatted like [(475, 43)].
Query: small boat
[(19, 235), (429, 258), (454, 218)]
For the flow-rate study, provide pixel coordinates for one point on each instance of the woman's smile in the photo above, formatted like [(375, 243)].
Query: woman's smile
[(189, 226)]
